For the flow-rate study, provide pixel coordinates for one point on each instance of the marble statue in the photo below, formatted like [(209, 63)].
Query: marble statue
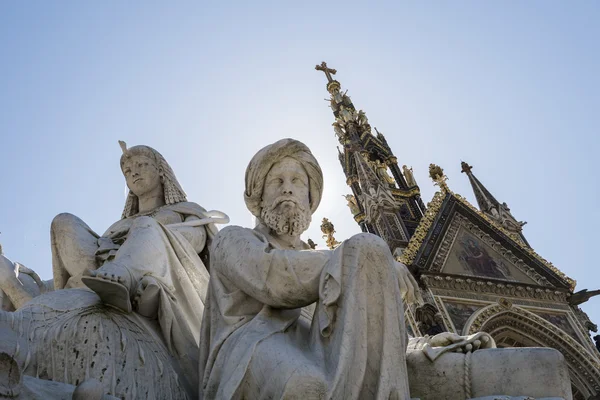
[(257, 342), (137, 330), (134, 314), (253, 342)]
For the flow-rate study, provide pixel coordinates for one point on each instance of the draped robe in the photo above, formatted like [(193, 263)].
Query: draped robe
[(151, 251), (254, 345)]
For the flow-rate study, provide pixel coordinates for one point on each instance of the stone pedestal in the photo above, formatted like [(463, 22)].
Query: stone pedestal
[(534, 372)]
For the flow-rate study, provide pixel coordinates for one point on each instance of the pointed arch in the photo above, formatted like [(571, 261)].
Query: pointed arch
[(518, 327)]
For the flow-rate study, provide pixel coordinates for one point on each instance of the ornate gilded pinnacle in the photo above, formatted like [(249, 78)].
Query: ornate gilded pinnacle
[(436, 173), (328, 229), (333, 86)]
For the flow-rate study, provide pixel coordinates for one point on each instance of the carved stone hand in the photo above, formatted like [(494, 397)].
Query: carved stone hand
[(409, 288)]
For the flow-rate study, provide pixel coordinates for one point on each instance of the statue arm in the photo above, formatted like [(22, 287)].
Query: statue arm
[(10, 284), (196, 235), (16, 292), (279, 278)]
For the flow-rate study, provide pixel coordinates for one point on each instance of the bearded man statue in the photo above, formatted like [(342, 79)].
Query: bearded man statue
[(253, 342)]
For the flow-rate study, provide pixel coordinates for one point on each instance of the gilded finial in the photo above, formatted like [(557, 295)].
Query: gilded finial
[(333, 86), (328, 229), (123, 146), (436, 173)]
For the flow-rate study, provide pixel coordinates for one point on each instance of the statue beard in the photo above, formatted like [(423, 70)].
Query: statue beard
[(288, 221)]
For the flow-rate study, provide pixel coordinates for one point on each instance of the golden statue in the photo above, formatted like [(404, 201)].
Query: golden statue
[(328, 229)]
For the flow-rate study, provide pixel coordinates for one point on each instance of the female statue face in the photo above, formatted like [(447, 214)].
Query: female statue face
[(142, 175)]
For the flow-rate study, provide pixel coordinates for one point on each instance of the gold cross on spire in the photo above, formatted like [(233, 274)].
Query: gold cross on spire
[(328, 71)]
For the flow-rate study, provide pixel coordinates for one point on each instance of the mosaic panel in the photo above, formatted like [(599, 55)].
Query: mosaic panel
[(470, 256), (460, 313)]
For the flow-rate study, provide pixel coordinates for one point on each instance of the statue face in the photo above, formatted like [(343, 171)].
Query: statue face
[(285, 198), (286, 186), (141, 174)]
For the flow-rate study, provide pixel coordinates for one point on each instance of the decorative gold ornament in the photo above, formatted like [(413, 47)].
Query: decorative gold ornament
[(406, 193), (505, 303), (328, 229), (436, 173), (351, 179), (415, 242), (333, 87), (359, 218)]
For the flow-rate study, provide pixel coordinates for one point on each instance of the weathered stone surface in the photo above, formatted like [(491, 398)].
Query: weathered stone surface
[(135, 334), (71, 337), (534, 372), (254, 344)]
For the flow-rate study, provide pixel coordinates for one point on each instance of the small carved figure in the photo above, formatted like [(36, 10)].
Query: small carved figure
[(429, 320), (507, 220), (352, 204), (337, 128), (408, 175), (361, 117), (346, 114), (382, 173)]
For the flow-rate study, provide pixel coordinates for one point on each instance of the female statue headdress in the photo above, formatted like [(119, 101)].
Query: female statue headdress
[(172, 189)]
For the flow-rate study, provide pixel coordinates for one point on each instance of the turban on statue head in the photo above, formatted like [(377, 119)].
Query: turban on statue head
[(263, 161)]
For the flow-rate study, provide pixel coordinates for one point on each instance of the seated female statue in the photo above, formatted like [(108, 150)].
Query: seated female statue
[(137, 329), (150, 260)]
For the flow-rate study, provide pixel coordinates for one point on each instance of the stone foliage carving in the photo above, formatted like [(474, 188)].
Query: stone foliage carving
[(460, 284)]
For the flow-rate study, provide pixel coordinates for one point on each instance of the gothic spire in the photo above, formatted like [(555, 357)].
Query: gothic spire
[(485, 199), (498, 212), (385, 202)]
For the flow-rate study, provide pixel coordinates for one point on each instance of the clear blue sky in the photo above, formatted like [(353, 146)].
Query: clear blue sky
[(513, 88)]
